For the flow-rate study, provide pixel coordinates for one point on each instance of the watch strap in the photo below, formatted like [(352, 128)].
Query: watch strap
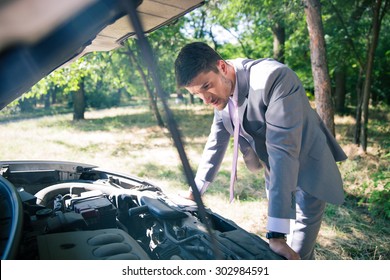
[(273, 234)]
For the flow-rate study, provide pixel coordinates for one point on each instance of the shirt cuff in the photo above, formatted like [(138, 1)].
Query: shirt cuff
[(278, 225)]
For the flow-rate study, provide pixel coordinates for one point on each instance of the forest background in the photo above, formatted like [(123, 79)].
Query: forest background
[(92, 110)]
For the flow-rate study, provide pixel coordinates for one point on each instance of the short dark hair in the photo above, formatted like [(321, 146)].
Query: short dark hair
[(193, 59)]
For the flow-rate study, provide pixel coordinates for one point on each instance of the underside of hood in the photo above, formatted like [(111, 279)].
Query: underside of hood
[(38, 36)]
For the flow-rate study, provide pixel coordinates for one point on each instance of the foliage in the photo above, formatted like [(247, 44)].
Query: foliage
[(379, 201), (239, 28), (347, 33)]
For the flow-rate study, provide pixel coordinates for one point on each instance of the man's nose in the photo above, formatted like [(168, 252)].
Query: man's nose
[(206, 99)]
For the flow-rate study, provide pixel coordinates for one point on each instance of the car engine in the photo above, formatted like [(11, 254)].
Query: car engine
[(82, 212)]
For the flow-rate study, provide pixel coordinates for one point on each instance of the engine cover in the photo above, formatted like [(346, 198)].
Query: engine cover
[(109, 244)]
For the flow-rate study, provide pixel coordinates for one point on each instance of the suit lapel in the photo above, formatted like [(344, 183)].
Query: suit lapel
[(243, 71), (242, 80)]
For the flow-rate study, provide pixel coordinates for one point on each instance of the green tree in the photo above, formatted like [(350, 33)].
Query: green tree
[(379, 10), (90, 81), (354, 40)]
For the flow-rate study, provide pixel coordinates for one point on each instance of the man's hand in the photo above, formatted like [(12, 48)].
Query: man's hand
[(280, 247), (187, 195)]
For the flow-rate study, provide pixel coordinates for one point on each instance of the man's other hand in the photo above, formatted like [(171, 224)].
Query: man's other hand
[(280, 247), (187, 195)]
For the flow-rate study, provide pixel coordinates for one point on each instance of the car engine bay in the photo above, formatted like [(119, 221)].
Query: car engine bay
[(75, 211)]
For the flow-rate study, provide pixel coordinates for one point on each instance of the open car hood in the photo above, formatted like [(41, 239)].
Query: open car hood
[(38, 36)]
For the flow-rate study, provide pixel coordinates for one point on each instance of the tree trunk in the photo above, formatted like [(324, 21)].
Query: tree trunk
[(47, 99), (340, 90), (373, 42), (279, 33), (54, 95), (359, 101), (79, 102), (192, 101), (322, 85)]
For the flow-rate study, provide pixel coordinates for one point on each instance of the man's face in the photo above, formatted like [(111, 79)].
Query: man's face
[(213, 88)]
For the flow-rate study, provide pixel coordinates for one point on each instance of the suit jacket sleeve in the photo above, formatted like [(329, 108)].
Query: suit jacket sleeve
[(214, 150)]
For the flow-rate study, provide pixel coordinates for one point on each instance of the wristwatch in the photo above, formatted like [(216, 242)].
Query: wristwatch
[(277, 235)]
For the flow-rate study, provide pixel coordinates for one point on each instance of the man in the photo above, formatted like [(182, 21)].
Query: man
[(278, 129)]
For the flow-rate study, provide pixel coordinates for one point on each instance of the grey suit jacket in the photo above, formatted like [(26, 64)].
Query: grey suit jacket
[(280, 129)]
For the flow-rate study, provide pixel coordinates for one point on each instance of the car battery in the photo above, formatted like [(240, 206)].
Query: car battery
[(98, 212)]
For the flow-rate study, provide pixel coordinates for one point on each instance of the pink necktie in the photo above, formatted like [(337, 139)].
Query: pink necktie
[(236, 123)]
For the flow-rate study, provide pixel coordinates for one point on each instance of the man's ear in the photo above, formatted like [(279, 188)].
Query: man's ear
[(222, 66)]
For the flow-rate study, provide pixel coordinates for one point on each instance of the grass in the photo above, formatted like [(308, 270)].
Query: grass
[(126, 139)]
